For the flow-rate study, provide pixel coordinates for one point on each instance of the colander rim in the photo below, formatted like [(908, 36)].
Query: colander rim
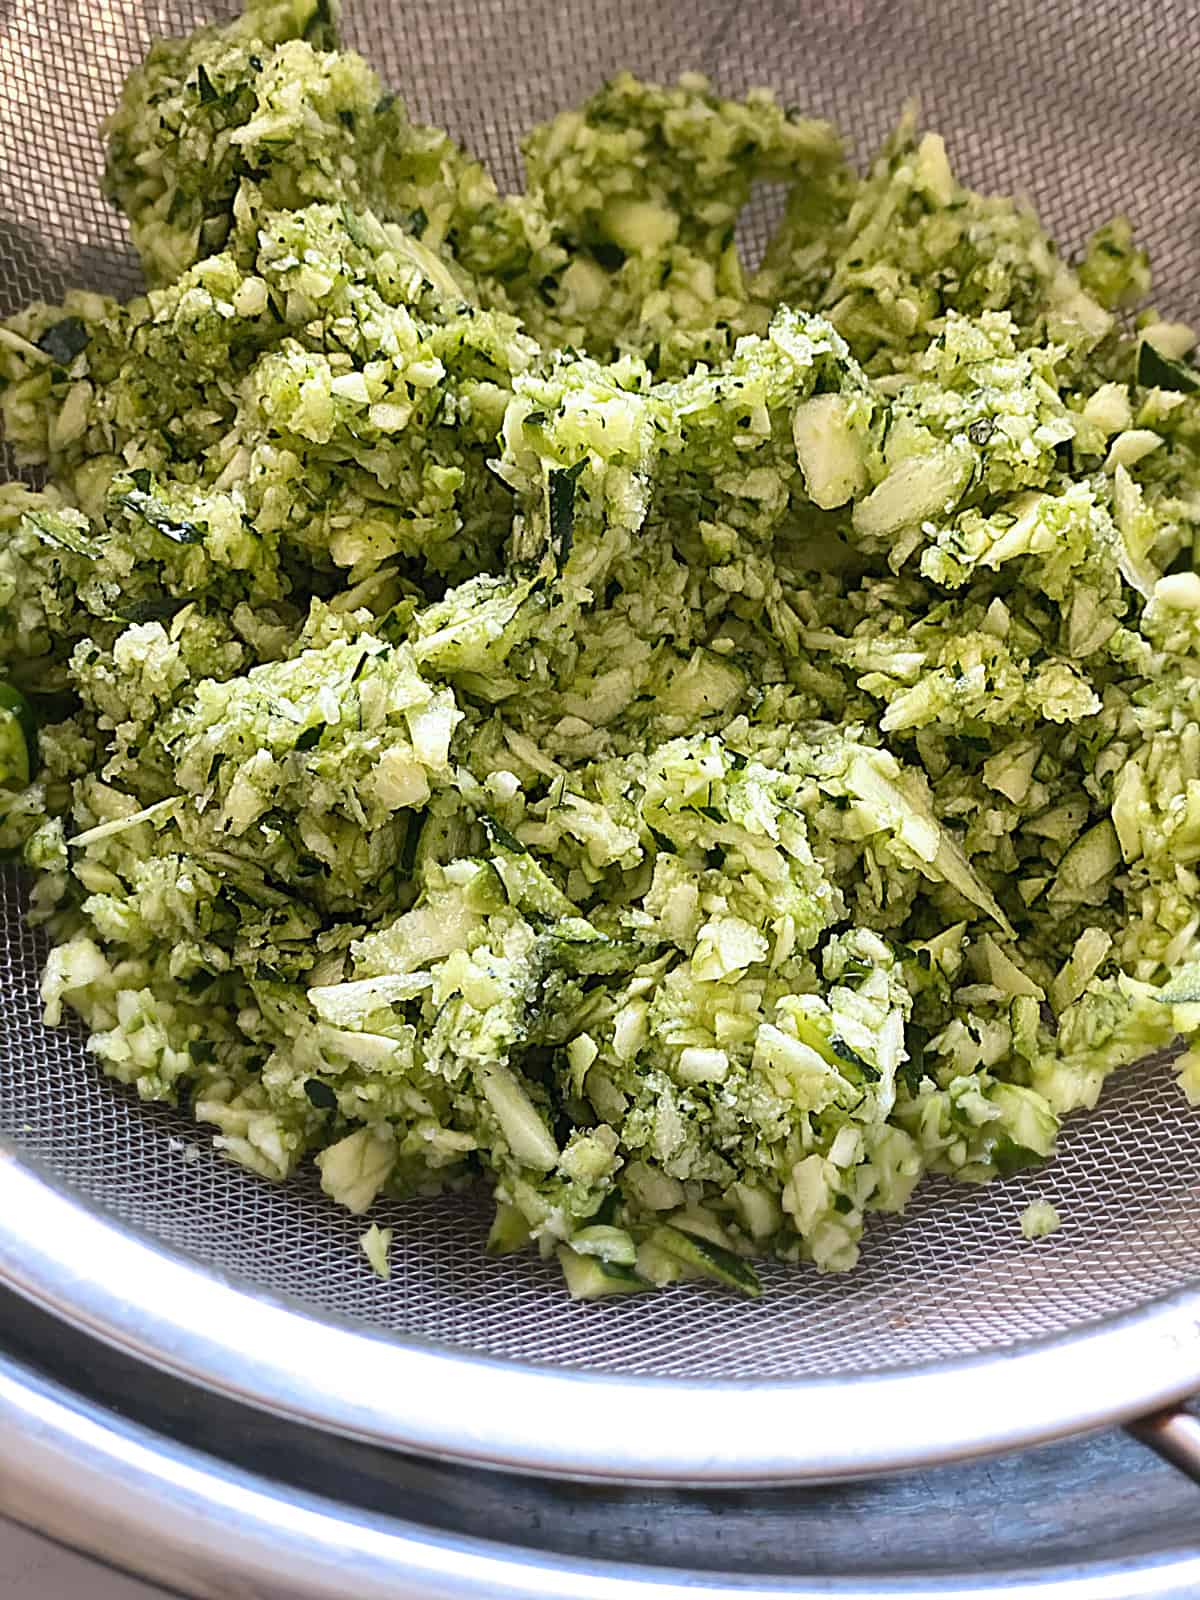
[(200, 1325)]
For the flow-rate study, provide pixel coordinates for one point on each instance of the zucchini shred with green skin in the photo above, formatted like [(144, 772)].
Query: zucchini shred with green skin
[(497, 688)]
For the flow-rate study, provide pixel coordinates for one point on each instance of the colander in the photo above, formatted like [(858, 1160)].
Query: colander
[(954, 1335)]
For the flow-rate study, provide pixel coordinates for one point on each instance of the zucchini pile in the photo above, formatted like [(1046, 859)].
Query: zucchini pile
[(506, 687)]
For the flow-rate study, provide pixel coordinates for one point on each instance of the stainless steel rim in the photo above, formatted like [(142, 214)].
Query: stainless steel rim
[(167, 1513), (151, 1303)]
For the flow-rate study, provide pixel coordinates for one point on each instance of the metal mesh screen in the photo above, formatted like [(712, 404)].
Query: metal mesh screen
[(1090, 109)]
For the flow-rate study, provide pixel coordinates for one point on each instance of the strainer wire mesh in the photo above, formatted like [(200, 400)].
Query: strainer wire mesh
[(1088, 108)]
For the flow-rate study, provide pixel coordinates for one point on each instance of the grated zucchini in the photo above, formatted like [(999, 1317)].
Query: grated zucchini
[(497, 689)]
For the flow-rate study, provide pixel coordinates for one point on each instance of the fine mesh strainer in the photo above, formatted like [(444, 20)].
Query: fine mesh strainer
[(1088, 108)]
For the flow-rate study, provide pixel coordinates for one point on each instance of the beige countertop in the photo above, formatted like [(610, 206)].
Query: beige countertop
[(32, 1568)]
